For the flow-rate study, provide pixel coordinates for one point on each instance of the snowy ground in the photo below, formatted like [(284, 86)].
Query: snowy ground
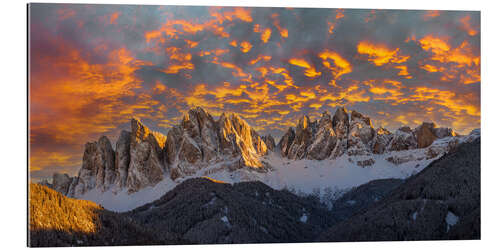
[(301, 176)]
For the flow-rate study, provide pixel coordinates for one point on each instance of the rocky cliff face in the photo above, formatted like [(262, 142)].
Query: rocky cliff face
[(353, 134), (200, 141), (270, 143), (303, 137), (144, 157), (98, 168), (122, 158), (324, 141)]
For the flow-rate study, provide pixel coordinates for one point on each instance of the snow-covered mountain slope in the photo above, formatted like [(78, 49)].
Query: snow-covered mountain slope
[(333, 154)]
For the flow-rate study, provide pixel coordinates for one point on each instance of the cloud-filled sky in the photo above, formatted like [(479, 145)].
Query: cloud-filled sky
[(93, 67)]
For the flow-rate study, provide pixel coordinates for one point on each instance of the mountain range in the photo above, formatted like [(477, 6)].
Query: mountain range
[(310, 157)]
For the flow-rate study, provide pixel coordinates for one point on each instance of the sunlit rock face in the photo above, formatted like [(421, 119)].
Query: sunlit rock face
[(200, 141), (238, 138), (146, 158)]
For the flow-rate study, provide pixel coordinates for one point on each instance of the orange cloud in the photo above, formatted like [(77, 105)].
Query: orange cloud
[(245, 46), (265, 35), (299, 62), (403, 71), (430, 68), (379, 54), (431, 14), (340, 14), (467, 26), (445, 98), (386, 90), (243, 14), (259, 58), (179, 61), (310, 70), (331, 27), (171, 31), (276, 22), (461, 62), (238, 72), (95, 92), (191, 44), (113, 17), (337, 64), (435, 44)]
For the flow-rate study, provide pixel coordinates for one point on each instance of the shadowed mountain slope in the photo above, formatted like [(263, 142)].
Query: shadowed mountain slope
[(202, 210), (441, 202)]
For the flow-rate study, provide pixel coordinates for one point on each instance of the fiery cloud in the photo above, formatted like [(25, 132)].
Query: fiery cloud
[(461, 62), (337, 64), (91, 71), (310, 70), (379, 54)]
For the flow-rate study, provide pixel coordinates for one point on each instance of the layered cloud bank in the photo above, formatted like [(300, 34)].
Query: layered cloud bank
[(93, 67)]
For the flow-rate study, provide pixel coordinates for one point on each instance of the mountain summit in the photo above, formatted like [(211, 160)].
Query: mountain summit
[(144, 157), (353, 133)]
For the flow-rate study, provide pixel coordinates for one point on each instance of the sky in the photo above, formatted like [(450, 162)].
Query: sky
[(94, 67)]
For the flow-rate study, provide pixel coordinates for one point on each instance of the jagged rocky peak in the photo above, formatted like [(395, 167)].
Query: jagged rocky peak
[(403, 139), (325, 139), (142, 157), (341, 122), (352, 133), (142, 133), (269, 141), (303, 136), (122, 158), (241, 138), (98, 167), (355, 115), (61, 182), (286, 141), (425, 134), (200, 141), (382, 138), (325, 120), (146, 165), (361, 133)]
